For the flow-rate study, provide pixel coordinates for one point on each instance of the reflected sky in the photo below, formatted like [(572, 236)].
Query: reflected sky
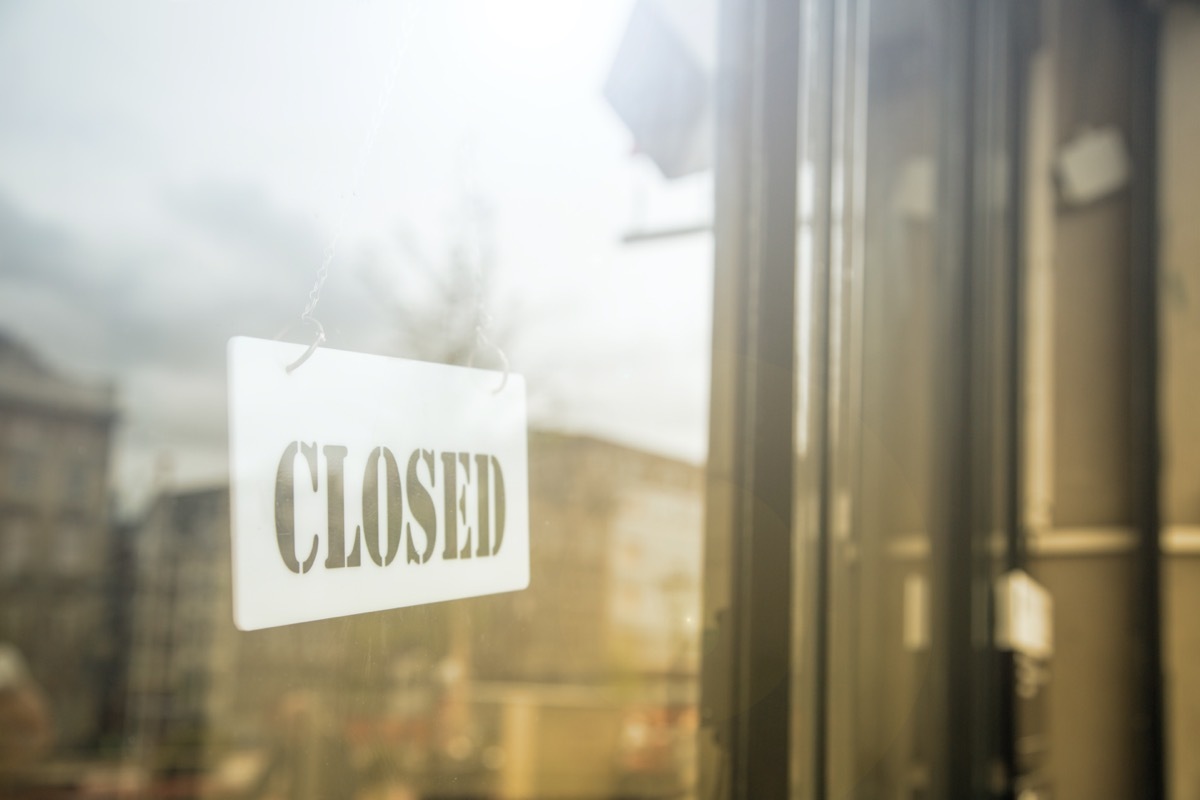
[(171, 173)]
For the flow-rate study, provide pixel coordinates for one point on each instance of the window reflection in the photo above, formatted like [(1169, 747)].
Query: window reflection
[(183, 173), (587, 680)]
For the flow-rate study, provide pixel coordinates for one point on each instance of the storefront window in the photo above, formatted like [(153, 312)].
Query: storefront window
[(856, 344), (484, 184)]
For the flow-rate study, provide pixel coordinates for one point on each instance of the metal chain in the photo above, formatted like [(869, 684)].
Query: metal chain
[(360, 166), (483, 320)]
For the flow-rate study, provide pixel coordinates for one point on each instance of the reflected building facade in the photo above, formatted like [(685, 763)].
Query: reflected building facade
[(56, 537), (492, 693), (180, 663)]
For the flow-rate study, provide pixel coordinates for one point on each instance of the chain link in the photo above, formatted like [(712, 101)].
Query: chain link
[(356, 176)]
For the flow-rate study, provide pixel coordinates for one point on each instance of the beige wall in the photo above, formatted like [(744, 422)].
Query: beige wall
[(1180, 304), (1092, 705), (1182, 600), (1091, 702), (1091, 272), (1180, 285), (1091, 694)]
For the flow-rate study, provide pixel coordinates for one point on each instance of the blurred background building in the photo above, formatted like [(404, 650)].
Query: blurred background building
[(181, 660), (56, 537), (490, 694)]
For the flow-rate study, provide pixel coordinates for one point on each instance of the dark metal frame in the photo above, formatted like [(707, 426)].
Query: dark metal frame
[(1145, 449), (749, 513)]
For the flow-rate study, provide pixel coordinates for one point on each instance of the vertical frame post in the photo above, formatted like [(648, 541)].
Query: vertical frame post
[(751, 449), (1145, 448)]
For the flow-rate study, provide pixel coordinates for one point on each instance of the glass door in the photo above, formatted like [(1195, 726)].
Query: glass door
[(906, 282)]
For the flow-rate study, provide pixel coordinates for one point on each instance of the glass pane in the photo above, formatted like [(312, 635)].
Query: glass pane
[(882, 413), (521, 183), (903, 417), (879, 135)]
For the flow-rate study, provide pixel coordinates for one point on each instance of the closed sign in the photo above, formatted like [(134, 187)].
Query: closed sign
[(362, 483)]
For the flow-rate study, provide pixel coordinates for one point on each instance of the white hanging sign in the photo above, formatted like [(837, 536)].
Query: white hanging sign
[(362, 483)]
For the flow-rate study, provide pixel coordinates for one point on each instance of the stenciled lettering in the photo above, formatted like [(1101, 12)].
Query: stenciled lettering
[(486, 467), (371, 505), (285, 505), (481, 492), (335, 482), (450, 505), (462, 474), (499, 476), (464, 461), (420, 502)]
